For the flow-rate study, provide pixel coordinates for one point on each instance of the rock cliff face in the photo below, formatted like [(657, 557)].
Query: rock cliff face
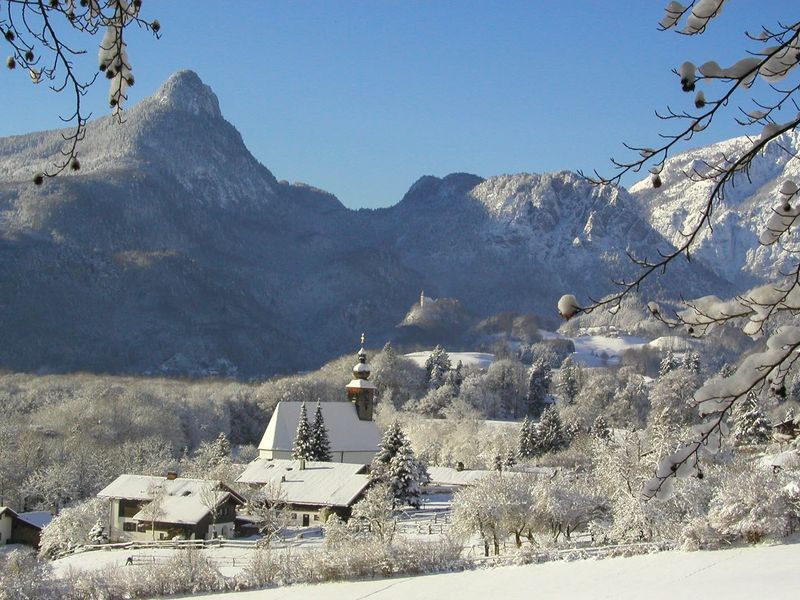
[(174, 250), (732, 249)]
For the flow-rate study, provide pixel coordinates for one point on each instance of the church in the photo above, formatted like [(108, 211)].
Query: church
[(352, 433)]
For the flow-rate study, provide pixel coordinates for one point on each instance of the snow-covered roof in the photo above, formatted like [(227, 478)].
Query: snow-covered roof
[(480, 360), (188, 510), (451, 476), (37, 518), (183, 501), (319, 483), (346, 432)]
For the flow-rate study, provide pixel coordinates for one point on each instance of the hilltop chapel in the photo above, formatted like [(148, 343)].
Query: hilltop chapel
[(352, 433)]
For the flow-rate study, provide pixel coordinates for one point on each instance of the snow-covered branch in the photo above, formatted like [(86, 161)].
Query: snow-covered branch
[(37, 33)]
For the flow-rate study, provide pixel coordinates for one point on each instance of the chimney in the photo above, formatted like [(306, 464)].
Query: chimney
[(172, 475), (302, 464)]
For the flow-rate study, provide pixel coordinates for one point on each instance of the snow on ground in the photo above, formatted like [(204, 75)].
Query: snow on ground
[(481, 360), (595, 347), (741, 573), (599, 346)]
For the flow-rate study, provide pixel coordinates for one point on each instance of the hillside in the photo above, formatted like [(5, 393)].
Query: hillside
[(174, 251), (732, 250)]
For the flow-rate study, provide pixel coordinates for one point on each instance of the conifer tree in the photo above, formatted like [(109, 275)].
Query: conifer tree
[(538, 386), (455, 377), (391, 441), (219, 450), (436, 367), (526, 439), (320, 444), (396, 466), (567, 384), (691, 361), (668, 363), (302, 440), (751, 427), (550, 432), (406, 475), (600, 428)]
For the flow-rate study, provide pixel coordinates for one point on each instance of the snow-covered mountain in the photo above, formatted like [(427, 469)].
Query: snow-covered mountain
[(732, 249), (174, 250)]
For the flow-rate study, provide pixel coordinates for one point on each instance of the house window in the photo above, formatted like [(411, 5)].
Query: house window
[(128, 508), (129, 526), (294, 516), (316, 517)]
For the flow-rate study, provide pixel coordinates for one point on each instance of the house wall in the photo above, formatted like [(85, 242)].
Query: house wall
[(25, 533), (317, 515), (124, 529), (6, 526)]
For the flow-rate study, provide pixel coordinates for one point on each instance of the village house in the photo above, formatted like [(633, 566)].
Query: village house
[(352, 433), (311, 491), (20, 528), (142, 507)]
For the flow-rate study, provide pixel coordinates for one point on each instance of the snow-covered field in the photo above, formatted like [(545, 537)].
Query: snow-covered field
[(769, 572)]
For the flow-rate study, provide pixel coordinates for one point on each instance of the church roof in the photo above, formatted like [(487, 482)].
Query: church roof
[(346, 432), (319, 483)]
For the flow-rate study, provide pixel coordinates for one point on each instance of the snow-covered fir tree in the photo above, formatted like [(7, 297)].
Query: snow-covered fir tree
[(406, 475), (668, 363), (302, 440), (402, 474), (436, 367), (550, 432), (527, 439), (538, 385), (455, 377), (600, 428), (751, 426), (691, 361), (320, 444), (567, 382), (221, 447)]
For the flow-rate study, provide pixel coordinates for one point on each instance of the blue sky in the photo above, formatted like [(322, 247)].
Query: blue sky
[(361, 98)]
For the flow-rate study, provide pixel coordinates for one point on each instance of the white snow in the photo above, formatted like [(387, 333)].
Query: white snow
[(319, 483), (741, 573), (480, 360)]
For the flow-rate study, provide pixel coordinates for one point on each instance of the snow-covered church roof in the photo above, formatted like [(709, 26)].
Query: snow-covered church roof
[(346, 432)]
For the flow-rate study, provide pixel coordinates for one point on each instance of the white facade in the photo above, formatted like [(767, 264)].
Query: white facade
[(6, 524), (351, 439), (342, 456)]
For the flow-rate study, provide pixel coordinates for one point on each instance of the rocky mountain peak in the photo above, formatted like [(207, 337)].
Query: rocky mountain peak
[(184, 90)]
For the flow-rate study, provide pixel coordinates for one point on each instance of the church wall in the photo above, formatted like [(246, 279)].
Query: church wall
[(363, 457)]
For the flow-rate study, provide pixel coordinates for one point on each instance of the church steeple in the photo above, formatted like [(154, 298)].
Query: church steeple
[(361, 391)]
